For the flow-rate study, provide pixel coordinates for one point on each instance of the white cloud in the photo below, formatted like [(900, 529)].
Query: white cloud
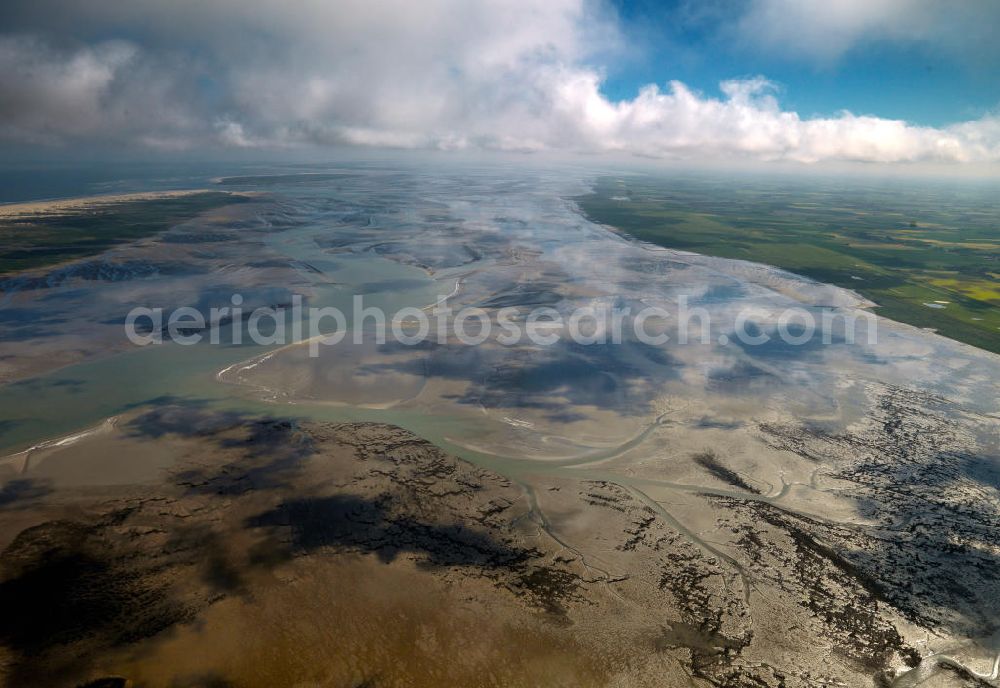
[(824, 30), (507, 75), (748, 122)]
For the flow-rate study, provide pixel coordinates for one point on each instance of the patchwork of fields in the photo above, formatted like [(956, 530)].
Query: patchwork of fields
[(927, 254)]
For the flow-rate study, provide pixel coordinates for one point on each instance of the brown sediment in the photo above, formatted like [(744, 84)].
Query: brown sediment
[(273, 554), (263, 552)]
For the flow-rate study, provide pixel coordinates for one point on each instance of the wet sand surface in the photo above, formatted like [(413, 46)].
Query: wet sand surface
[(611, 514), (261, 552), (281, 554)]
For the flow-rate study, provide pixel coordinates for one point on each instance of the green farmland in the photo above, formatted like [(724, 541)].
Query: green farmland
[(927, 254)]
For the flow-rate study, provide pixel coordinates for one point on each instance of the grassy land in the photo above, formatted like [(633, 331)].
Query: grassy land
[(901, 247), (45, 238)]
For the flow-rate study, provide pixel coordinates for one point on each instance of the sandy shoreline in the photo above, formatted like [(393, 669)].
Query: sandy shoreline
[(26, 208)]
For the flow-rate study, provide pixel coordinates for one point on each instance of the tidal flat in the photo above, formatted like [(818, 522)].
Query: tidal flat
[(620, 513)]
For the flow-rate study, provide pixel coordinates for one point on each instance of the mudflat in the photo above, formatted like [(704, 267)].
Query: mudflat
[(265, 551)]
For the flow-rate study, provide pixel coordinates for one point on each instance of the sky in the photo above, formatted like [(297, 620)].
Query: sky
[(893, 82)]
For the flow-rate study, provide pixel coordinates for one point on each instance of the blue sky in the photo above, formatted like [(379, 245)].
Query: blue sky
[(921, 81)]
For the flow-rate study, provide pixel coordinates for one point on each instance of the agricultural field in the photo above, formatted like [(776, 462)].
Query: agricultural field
[(928, 254)]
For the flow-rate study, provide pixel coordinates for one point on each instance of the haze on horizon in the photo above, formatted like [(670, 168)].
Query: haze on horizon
[(881, 81)]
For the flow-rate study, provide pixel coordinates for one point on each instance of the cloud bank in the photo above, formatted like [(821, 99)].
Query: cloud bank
[(506, 75)]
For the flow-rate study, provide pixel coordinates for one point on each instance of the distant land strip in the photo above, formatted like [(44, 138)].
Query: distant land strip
[(44, 233), (921, 262)]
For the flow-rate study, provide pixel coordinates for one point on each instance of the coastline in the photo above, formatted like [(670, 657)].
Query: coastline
[(20, 209)]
